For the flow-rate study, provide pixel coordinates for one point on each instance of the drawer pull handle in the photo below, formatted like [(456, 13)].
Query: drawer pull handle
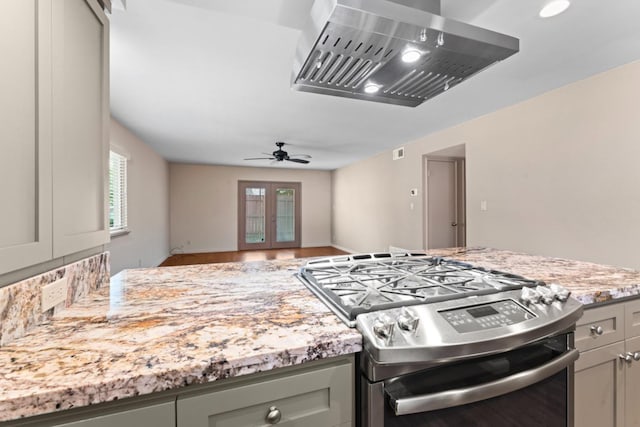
[(597, 330), (626, 357), (274, 415)]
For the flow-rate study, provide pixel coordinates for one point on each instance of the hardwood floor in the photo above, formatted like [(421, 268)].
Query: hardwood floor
[(214, 257)]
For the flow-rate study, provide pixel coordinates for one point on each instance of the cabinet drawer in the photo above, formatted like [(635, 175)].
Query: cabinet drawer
[(161, 415), (600, 326), (632, 318), (322, 397)]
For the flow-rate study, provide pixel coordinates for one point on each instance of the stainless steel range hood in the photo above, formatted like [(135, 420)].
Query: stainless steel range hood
[(362, 49)]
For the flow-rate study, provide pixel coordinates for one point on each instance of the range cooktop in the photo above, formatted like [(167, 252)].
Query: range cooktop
[(355, 284)]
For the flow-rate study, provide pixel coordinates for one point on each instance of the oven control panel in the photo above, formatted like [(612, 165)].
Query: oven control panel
[(486, 316)]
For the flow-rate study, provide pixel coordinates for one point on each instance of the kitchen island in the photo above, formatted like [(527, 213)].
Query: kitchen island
[(161, 329), (166, 328)]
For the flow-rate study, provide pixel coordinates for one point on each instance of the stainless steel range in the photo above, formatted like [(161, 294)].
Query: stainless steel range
[(449, 344)]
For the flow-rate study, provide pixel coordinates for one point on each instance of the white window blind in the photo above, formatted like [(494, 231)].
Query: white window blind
[(117, 192)]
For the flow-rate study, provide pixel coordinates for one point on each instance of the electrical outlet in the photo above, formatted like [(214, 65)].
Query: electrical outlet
[(54, 293)]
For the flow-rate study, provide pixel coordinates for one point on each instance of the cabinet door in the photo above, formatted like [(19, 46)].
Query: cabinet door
[(600, 387), (25, 133), (161, 415), (80, 43), (632, 385), (319, 398)]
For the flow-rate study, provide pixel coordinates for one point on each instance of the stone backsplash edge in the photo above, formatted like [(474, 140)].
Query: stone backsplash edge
[(20, 302)]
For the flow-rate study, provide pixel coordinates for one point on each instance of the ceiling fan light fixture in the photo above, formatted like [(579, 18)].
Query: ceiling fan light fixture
[(554, 8)]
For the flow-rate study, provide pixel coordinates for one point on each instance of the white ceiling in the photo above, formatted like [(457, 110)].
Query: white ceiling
[(207, 81)]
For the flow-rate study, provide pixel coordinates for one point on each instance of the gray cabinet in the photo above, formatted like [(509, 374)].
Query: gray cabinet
[(160, 415), (80, 154), (54, 118), (25, 133), (320, 397), (607, 377)]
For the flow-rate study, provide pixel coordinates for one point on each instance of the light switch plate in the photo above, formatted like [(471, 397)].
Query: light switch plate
[(54, 293)]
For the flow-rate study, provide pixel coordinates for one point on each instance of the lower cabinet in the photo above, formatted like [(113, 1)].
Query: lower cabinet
[(161, 415), (607, 374), (318, 398), (600, 387)]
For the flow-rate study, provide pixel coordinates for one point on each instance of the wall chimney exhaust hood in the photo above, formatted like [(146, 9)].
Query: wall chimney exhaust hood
[(393, 51)]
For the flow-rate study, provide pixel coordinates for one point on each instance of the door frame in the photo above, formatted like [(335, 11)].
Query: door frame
[(460, 199), (270, 215)]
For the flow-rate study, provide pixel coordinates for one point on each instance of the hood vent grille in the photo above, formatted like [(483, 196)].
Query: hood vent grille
[(352, 47)]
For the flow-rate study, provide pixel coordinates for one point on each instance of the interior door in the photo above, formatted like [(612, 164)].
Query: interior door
[(442, 204), (268, 215)]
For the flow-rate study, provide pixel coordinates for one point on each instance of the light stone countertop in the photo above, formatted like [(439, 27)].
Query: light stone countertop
[(589, 283), (165, 328)]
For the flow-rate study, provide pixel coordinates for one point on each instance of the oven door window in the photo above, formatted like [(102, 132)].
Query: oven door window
[(541, 404)]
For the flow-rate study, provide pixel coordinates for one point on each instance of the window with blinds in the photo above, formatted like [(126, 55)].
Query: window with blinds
[(117, 192)]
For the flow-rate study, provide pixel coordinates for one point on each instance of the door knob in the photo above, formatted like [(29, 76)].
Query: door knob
[(635, 355), (596, 330), (274, 415), (626, 357), (454, 224)]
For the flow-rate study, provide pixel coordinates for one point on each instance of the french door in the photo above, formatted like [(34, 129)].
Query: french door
[(268, 215)]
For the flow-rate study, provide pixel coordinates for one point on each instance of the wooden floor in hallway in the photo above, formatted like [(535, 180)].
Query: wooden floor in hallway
[(258, 255)]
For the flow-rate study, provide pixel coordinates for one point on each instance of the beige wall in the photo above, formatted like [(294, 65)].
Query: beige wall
[(147, 244), (559, 173), (204, 205)]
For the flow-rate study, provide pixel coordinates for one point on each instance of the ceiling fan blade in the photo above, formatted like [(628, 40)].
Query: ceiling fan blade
[(298, 160), (260, 158), (304, 156)]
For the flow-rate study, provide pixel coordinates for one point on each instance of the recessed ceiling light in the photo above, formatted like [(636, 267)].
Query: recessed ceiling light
[(411, 55), (554, 8), (371, 88)]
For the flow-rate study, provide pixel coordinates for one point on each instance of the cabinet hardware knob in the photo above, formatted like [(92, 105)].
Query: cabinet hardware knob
[(635, 355), (626, 357), (274, 415), (597, 330)]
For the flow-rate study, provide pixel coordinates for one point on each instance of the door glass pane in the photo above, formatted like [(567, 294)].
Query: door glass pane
[(255, 215), (285, 215)]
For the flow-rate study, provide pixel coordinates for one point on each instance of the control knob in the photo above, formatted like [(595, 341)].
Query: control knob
[(530, 296), (562, 293), (546, 294), (383, 326), (408, 321)]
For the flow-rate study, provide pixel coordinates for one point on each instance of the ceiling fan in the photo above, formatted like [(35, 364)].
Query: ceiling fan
[(280, 155)]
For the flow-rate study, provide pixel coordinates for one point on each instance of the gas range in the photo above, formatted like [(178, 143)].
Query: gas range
[(439, 334), (416, 308)]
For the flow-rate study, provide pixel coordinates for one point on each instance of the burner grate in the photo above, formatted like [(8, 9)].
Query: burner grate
[(359, 283)]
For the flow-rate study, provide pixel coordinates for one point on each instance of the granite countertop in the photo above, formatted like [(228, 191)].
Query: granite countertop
[(589, 283), (165, 328)]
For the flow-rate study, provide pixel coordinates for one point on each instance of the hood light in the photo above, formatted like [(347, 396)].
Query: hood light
[(371, 88), (411, 55), (554, 8)]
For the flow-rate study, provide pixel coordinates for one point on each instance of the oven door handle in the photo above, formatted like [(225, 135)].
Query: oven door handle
[(462, 396)]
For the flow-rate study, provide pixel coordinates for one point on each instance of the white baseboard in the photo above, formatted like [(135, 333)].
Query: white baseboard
[(351, 251)]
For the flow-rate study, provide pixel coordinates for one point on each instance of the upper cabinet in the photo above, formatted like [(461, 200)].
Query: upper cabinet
[(80, 45), (25, 133), (54, 117)]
